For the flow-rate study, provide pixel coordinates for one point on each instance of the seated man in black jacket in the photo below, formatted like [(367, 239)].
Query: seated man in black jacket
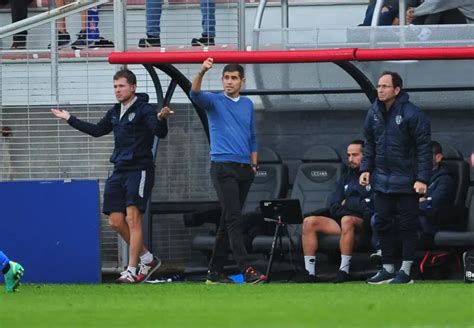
[(349, 205)]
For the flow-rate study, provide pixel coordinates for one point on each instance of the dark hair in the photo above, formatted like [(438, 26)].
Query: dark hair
[(127, 74), (436, 146), (234, 68), (396, 79), (358, 142)]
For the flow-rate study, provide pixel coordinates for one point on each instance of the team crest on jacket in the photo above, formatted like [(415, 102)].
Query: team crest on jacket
[(131, 116), (368, 187), (398, 119)]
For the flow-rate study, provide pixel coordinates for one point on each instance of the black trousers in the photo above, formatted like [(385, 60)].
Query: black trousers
[(232, 182), (397, 212), (19, 10)]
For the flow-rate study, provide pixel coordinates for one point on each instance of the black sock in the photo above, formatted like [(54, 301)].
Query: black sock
[(6, 268)]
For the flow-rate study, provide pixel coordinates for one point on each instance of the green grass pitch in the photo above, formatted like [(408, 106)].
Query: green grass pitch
[(423, 304)]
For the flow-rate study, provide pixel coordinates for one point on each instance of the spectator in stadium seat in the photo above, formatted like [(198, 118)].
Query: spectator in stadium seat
[(153, 18), (349, 206), (388, 13), (438, 202), (135, 123), (440, 12), (12, 272), (398, 162), (19, 10), (233, 165), (87, 37)]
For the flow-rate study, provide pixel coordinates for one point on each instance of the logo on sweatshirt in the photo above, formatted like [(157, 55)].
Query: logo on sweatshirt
[(131, 116), (398, 119)]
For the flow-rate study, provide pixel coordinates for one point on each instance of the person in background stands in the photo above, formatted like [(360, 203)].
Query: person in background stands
[(153, 20)]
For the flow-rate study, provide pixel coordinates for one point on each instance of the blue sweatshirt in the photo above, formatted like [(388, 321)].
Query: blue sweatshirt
[(231, 126)]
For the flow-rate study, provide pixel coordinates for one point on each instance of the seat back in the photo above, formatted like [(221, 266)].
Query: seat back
[(454, 161), (470, 207), (270, 182), (316, 177)]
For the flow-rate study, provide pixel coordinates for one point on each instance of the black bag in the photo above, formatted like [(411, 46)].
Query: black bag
[(468, 259), (439, 265)]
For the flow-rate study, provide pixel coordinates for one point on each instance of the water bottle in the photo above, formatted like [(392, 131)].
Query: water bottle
[(93, 24)]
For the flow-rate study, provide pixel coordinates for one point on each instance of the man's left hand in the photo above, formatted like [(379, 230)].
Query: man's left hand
[(164, 113), (420, 187)]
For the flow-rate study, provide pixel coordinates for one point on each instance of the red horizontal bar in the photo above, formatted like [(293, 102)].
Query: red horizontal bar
[(243, 57), (292, 56), (448, 53)]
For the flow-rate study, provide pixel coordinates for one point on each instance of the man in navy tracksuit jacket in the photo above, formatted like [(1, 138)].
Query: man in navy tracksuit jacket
[(134, 123), (398, 162), (349, 206), (233, 165)]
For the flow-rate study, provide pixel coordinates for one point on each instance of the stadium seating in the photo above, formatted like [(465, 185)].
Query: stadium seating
[(271, 182), (454, 161), (459, 239), (314, 182)]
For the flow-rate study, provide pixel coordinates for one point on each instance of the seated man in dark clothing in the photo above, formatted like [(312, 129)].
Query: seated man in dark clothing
[(437, 204), (388, 13), (439, 200), (349, 206), (435, 12)]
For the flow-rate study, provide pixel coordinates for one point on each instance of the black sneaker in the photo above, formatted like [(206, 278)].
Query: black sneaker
[(252, 276), (304, 277), (63, 40), (341, 276), (214, 278), (202, 41), (149, 42), (101, 43), (81, 41)]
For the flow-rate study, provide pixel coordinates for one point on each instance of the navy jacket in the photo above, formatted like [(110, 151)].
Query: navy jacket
[(398, 146), (358, 199), (133, 133), (440, 194)]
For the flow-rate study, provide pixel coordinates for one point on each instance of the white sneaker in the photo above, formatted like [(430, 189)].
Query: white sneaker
[(126, 277)]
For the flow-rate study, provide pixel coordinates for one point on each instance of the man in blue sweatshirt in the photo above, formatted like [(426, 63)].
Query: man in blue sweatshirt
[(12, 272), (349, 206), (233, 165), (135, 123)]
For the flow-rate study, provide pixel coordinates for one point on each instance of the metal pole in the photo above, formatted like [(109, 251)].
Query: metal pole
[(258, 23), (241, 24), (284, 14), (120, 22), (120, 42), (402, 9), (54, 57)]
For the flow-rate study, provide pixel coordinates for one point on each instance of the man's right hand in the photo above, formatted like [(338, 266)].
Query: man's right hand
[(410, 15), (60, 113), (364, 178), (207, 65)]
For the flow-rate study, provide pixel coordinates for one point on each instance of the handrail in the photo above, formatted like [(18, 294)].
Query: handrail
[(294, 56), (49, 16)]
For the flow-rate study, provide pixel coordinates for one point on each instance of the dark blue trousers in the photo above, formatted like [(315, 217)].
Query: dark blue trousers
[(397, 213)]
